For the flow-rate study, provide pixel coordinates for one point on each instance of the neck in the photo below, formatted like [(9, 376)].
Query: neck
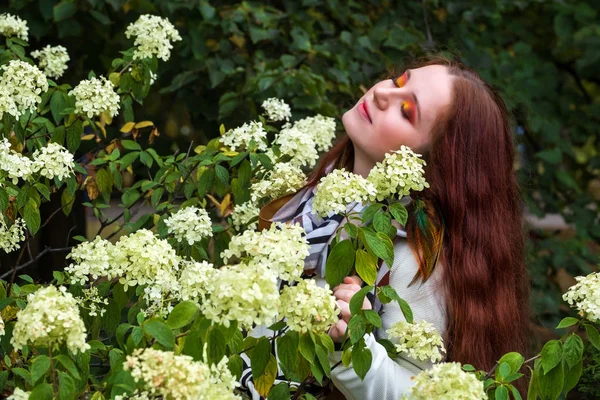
[(362, 163)]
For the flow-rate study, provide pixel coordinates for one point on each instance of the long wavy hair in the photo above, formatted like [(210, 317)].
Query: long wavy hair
[(474, 189)]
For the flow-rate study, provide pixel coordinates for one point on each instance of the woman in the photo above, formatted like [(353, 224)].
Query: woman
[(477, 295)]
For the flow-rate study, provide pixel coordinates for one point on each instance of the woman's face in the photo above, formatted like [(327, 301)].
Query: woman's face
[(398, 112)]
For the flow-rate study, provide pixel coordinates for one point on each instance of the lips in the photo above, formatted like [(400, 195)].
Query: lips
[(364, 112)]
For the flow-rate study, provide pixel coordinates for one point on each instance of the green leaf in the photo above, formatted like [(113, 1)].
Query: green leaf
[(551, 355), (391, 293), (373, 318), (369, 212), (182, 314), (64, 10), (43, 391), (31, 214), (399, 213), (40, 365), (514, 360), (287, 346), (551, 383), (259, 357), (566, 322), (3, 200), (357, 327), (58, 102), (573, 350), (104, 180), (381, 245), (68, 364), (306, 346), (222, 174), (357, 299), (516, 394), (532, 391), (593, 335), (572, 376), (130, 197), (156, 328), (281, 391), (339, 262), (74, 135), (216, 346), (365, 267), (131, 145), (382, 222), (501, 393), (361, 359)]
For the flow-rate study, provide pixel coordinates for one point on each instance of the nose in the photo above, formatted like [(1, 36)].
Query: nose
[(383, 95)]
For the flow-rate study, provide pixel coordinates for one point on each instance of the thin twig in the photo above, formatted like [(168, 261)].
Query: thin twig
[(33, 260), (427, 28)]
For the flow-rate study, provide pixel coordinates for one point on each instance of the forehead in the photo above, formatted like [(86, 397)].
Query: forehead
[(433, 87)]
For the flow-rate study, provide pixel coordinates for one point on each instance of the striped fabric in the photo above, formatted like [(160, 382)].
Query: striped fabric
[(319, 233)]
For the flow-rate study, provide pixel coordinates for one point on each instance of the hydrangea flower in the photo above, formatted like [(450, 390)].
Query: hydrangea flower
[(53, 60), (277, 109), (338, 189), (321, 128), (194, 279), (153, 37), (14, 164), (241, 137), (281, 248), (169, 376), (50, 318), (19, 394), (10, 237), (243, 214), (446, 381), (92, 301), (53, 161), (283, 179), (400, 173), (298, 145), (307, 307), (7, 104), (191, 224), (94, 96), (585, 296), (24, 84), (12, 25), (246, 293), (419, 340), (91, 259)]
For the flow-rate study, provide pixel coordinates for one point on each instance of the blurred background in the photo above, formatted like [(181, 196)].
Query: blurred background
[(320, 55)]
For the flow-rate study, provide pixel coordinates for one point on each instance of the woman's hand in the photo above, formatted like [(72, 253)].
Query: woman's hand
[(343, 293)]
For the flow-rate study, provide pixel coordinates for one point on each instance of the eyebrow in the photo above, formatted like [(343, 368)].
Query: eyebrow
[(414, 96)]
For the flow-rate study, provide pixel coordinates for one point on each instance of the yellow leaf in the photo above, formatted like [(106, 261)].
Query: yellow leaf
[(155, 219), (115, 78), (225, 203), (264, 383), (238, 40), (106, 118), (144, 124), (230, 153), (222, 129), (215, 201), (101, 126), (88, 137), (127, 127), (199, 149)]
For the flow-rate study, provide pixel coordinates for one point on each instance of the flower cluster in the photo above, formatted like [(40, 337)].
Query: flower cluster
[(298, 145), (243, 214), (277, 110), (19, 394), (400, 173), (243, 136), (91, 259), (321, 128), (191, 224), (194, 279), (11, 236), (308, 307), (92, 301), (53, 161), (283, 179), (446, 381), (338, 189), (94, 96), (169, 376), (281, 248), (53, 60), (246, 293), (11, 25), (50, 318), (419, 340), (14, 164), (585, 296), (22, 86), (153, 37)]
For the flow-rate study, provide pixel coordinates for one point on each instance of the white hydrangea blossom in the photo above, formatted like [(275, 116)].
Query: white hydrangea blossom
[(446, 381), (95, 96), (338, 189), (283, 179), (1, 326), (246, 293), (7, 104), (321, 128), (12, 25), (308, 307), (153, 37), (19, 394), (419, 340), (50, 318), (400, 173), (191, 224), (195, 278), (14, 164), (297, 144), (92, 301), (137, 395), (53, 60), (277, 109), (281, 248), (53, 161), (585, 296), (91, 259), (10, 237), (169, 376), (24, 84), (241, 137), (243, 214)]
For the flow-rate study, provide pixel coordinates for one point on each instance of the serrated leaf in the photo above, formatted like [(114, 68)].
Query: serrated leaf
[(68, 364), (339, 262), (306, 346), (573, 350), (39, 367), (365, 267), (551, 355), (31, 215), (566, 322), (182, 314), (399, 213), (161, 332), (259, 357), (361, 360), (380, 244)]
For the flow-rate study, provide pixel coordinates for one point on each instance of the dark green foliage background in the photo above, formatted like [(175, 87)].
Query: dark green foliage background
[(544, 56)]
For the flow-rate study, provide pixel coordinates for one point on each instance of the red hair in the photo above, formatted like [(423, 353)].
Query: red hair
[(474, 188)]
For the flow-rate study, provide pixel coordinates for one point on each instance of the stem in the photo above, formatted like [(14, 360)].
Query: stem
[(125, 67), (33, 260), (53, 373)]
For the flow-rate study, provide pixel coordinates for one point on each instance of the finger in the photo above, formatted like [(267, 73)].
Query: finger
[(353, 279), (336, 332), (350, 286), (345, 310), (344, 294)]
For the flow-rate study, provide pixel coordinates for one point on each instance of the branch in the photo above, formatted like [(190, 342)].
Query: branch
[(33, 260), (427, 28)]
